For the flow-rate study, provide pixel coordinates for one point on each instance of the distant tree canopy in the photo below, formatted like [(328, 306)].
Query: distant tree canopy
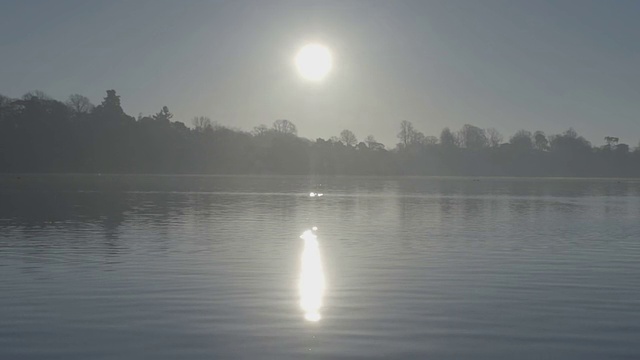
[(522, 140), (285, 127), (348, 138), (447, 139), (472, 137), (79, 105), (40, 134), (540, 141), (494, 137)]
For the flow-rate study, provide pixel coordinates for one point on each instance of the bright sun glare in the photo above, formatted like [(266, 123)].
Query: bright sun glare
[(314, 61), (311, 284)]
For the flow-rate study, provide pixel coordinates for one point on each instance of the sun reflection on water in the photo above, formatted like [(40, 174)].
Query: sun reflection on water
[(311, 284)]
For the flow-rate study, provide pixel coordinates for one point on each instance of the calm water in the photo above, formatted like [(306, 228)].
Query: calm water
[(130, 267)]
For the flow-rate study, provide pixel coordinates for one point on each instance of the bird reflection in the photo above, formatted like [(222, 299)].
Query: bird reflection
[(311, 284)]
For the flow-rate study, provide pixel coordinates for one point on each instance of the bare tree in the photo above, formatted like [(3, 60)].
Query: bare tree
[(36, 94), (407, 133), (202, 123), (369, 140), (348, 138), (79, 104), (494, 137), (430, 140), (571, 133), (286, 127), (260, 130), (372, 143)]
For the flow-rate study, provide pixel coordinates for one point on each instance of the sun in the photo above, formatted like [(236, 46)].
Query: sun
[(314, 62)]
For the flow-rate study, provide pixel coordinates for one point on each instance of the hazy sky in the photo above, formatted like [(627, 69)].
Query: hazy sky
[(509, 64)]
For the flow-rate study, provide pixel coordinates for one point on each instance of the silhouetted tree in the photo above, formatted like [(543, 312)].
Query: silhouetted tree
[(611, 141), (110, 109), (36, 94), (372, 143), (569, 141), (622, 149), (40, 134), (418, 138), (202, 123), (5, 106), (79, 105), (522, 140), (259, 130), (4, 101), (348, 138), (494, 137), (164, 115), (472, 137), (540, 141), (407, 133), (430, 140), (447, 139), (285, 127), (370, 140), (571, 153)]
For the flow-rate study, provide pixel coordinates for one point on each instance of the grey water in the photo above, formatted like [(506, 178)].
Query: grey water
[(209, 267)]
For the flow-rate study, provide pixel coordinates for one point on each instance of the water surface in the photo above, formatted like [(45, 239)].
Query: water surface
[(197, 267)]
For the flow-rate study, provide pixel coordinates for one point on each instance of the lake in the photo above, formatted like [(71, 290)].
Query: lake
[(216, 267)]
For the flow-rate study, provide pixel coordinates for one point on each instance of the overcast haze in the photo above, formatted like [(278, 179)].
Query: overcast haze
[(537, 65)]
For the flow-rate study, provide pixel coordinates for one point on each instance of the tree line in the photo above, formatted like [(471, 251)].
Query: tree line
[(41, 134)]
